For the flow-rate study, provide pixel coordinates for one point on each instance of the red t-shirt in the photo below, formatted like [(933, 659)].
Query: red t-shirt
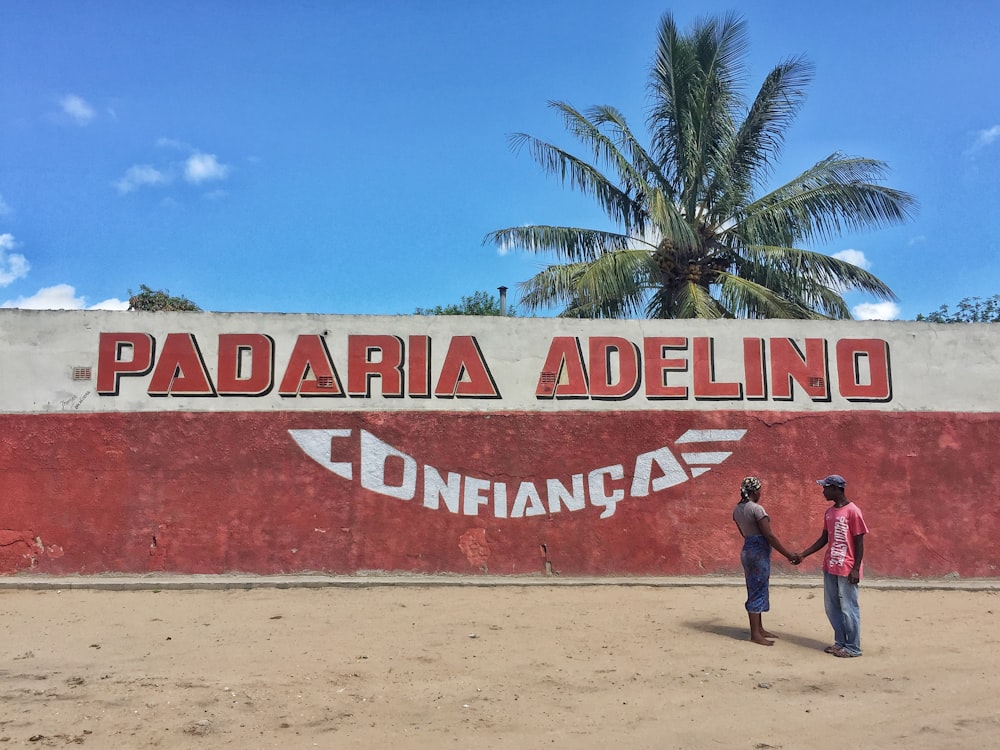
[(842, 525)]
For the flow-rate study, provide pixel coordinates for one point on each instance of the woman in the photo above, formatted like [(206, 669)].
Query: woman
[(758, 539)]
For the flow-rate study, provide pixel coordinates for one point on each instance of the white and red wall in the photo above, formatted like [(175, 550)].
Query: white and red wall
[(208, 443)]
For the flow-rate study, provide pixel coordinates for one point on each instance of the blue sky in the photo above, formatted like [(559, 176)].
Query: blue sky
[(349, 157)]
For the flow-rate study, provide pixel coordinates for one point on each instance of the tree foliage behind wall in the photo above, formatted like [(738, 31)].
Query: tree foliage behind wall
[(969, 310), (480, 303), (149, 300)]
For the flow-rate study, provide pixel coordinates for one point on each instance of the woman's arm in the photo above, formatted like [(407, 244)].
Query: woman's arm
[(765, 529)]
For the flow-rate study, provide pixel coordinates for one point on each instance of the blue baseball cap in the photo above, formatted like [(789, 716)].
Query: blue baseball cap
[(834, 480)]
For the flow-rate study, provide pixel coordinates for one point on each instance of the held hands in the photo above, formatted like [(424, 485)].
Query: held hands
[(795, 558)]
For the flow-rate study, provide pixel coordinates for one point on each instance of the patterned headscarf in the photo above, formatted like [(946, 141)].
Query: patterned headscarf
[(747, 487)]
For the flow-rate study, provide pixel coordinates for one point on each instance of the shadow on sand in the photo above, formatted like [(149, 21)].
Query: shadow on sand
[(715, 627)]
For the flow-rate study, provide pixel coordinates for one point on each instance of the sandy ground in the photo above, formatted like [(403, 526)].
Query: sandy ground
[(503, 667)]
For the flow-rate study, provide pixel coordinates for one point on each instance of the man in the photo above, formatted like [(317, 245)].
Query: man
[(843, 536)]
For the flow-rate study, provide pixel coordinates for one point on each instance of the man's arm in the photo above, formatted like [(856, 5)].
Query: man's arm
[(859, 552), (817, 545)]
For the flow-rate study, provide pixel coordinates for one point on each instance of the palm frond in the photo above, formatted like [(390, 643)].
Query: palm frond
[(748, 299), (611, 286), (837, 194), (606, 150), (670, 222), (840, 275), (628, 145), (695, 88), (571, 243), (761, 134), (830, 303), (671, 67), (582, 176), (688, 300)]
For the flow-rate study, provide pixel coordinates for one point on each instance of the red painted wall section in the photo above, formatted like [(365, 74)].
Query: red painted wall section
[(500, 492)]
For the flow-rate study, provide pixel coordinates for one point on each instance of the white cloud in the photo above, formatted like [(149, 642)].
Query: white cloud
[(876, 311), (62, 297), (58, 297), (5, 209), (13, 266), (983, 139), (197, 168), (201, 167), (110, 304), (78, 109), (854, 257), (172, 143), (140, 175), (986, 137)]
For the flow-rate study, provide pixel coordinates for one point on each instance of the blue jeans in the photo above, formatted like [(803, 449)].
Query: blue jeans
[(841, 601)]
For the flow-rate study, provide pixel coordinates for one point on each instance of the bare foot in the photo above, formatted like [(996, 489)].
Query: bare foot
[(761, 640), (767, 635)]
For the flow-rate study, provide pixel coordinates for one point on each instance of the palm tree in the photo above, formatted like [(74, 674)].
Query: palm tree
[(692, 240)]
